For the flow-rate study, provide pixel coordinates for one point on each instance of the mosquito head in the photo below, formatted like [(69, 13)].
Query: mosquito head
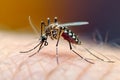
[(43, 37)]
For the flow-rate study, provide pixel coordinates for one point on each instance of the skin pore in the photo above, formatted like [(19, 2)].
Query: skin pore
[(43, 66)]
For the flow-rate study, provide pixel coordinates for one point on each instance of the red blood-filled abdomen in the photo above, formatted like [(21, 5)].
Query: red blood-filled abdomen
[(68, 38)]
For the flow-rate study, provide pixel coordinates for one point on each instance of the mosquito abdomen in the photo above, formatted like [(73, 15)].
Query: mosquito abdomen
[(70, 36)]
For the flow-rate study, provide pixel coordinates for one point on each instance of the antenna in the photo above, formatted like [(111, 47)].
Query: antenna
[(33, 27)]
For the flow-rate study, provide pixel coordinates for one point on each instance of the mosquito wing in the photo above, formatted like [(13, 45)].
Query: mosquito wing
[(74, 24)]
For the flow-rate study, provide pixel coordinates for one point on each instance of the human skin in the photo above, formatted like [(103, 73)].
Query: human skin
[(43, 66)]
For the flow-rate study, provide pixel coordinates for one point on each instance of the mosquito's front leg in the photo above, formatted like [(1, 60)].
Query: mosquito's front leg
[(37, 50), (31, 49)]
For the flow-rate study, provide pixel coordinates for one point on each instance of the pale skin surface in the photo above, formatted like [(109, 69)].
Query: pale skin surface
[(43, 66)]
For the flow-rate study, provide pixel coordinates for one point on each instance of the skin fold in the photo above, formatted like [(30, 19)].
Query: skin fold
[(42, 66)]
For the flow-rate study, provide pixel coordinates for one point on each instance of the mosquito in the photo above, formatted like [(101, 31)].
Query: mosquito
[(55, 31)]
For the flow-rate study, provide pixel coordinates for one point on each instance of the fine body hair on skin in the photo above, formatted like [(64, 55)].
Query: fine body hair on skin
[(18, 66)]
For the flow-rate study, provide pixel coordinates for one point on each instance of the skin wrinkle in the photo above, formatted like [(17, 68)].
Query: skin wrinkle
[(38, 61), (42, 67), (51, 73), (29, 71), (72, 63), (81, 74), (66, 74), (18, 68), (73, 68), (47, 60), (9, 69), (45, 71), (68, 59), (13, 62), (107, 72), (1, 73)]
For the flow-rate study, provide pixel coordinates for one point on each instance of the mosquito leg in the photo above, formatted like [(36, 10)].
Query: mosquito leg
[(57, 46), (57, 55), (78, 54), (31, 49), (48, 21), (94, 55), (99, 57), (42, 27), (104, 56), (37, 50), (55, 20)]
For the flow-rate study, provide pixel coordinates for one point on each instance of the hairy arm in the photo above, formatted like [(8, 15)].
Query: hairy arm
[(18, 66)]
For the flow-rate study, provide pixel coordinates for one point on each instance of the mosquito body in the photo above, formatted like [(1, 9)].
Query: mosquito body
[(56, 31)]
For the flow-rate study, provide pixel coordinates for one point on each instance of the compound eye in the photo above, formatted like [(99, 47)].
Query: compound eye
[(54, 32)]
